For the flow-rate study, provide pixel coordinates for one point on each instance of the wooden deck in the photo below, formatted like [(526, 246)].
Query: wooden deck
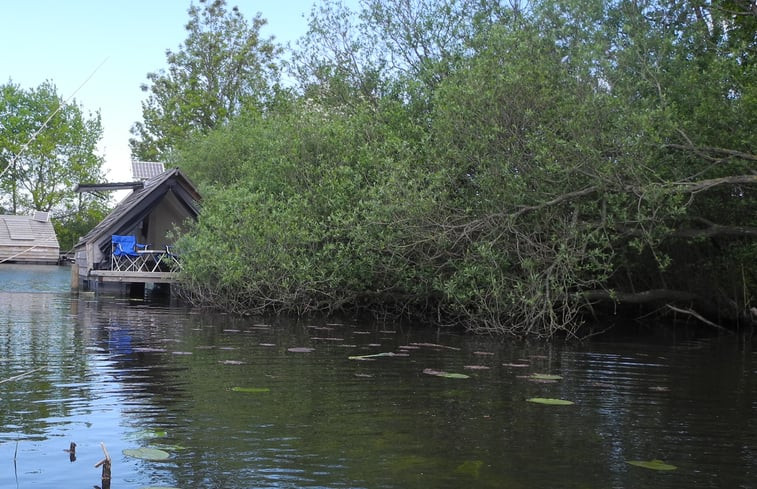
[(120, 276)]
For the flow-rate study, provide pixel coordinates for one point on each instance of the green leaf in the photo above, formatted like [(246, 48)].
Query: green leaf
[(446, 375), (551, 402), (147, 453), (652, 464), (253, 390), (545, 377), (369, 357), (147, 434)]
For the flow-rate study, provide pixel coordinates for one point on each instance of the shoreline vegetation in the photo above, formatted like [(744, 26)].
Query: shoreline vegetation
[(506, 168)]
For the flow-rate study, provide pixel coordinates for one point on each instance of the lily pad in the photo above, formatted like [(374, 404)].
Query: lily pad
[(471, 468), (545, 377), (436, 345), (169, 448), (550, 402), (252, 390), (147, 453), (147, 434), (446, 375), (652, 464), (375, 355)]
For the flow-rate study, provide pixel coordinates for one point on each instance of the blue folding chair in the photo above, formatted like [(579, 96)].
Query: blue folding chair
[(126, 256)]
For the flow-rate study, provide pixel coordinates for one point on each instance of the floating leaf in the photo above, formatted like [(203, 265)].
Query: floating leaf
[(446, 375), (551, 402), (545, 377), (375, 355), (147, 434), (253, 390), (470, 467), (435, 345), (169, 448), (652, 464), (147, 453)]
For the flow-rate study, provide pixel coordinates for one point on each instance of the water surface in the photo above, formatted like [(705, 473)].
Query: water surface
[(276, 403)]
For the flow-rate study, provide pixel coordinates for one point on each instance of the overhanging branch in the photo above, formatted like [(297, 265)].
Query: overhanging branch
[(643, 297)]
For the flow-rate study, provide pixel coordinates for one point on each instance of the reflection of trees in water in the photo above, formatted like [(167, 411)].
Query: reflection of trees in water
[(324, 418), (38, 338), (131, 344)]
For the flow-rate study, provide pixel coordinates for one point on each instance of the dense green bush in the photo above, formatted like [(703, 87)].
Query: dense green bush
[(505, 181)]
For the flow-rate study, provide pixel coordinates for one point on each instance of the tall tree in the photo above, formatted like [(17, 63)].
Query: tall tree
[(222, 66), (47, 146), (565, 155)]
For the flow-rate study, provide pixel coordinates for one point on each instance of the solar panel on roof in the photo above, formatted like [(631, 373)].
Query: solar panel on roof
[(21, 230), (143, 170)]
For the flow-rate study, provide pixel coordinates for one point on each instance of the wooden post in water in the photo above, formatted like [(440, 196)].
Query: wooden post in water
[(106, 467), (75, 277)]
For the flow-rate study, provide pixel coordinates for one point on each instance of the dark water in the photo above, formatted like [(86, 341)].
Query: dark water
[(132, 374)]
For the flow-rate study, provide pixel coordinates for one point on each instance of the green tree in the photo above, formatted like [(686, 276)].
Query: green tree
[(398, 48), (598, 152), (222, 66), (69, 228), (47, 146), (552, 160)]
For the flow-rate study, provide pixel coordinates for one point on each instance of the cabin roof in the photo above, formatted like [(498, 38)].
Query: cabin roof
[(142, 200), (28, 238), (18, 229)]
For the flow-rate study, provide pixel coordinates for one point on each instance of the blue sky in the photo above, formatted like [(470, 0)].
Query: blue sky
[(65, 41)]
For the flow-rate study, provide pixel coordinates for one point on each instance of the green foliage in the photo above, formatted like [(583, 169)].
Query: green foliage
[(499, 179), (222, 67), (46, 148), (299, 219), (70, 228)]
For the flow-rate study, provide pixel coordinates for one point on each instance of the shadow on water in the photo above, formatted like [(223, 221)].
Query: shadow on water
[(277, 402)]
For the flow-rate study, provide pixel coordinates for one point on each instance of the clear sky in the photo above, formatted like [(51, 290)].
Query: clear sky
[(65, 41)]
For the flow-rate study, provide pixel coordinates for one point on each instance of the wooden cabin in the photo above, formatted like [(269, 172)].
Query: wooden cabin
[(156, 206), (28, 239)]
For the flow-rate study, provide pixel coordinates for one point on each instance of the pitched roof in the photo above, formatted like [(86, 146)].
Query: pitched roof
[(28, 238), (138, 203), (16, 229)]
